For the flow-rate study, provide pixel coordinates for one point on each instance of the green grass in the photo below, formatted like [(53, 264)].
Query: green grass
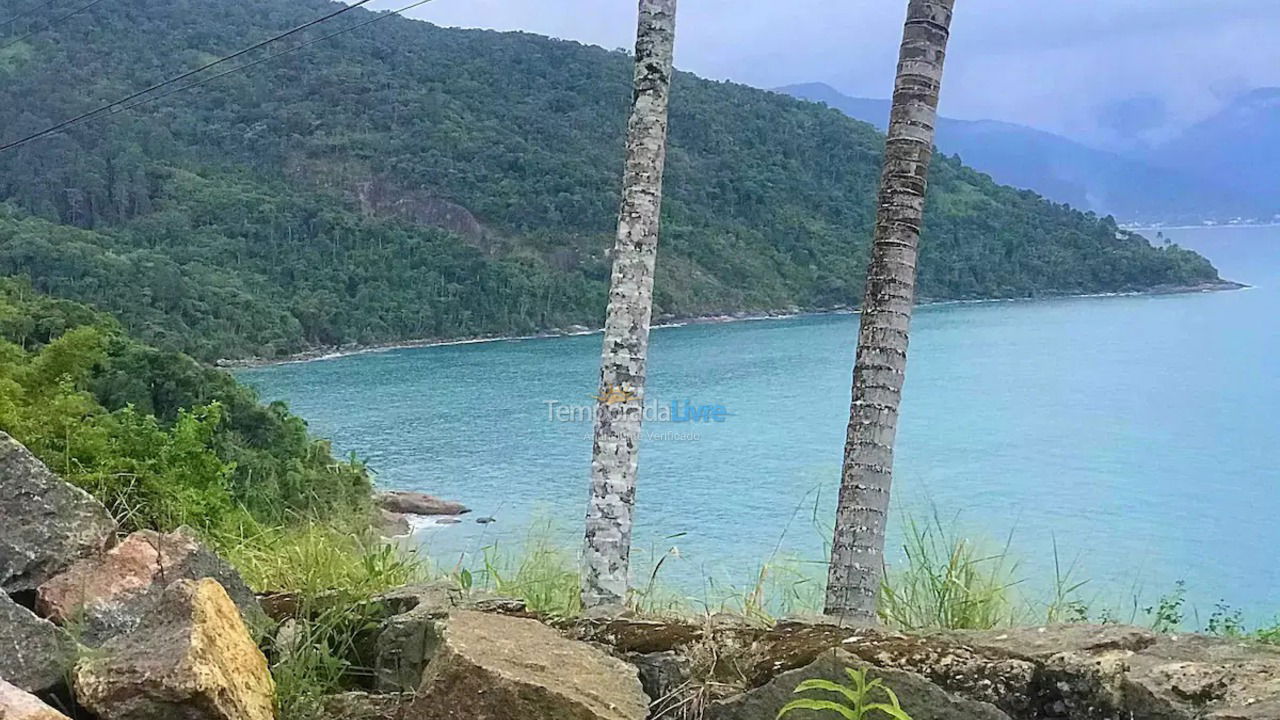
[(335, 572)]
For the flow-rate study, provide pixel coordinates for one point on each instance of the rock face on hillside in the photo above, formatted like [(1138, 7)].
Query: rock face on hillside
[(34, 655), (108, 595), (17, 704), (47, 523), (492, 667), (191, 658)]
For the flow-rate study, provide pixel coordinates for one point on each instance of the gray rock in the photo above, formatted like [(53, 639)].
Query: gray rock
[(405, 645), (17, 704), (493, 667), (409, 638), (107, 596), (665, 677), (48, 524), (921, 699), (34, 654), (406, 502), (191, 658), (366, 706)]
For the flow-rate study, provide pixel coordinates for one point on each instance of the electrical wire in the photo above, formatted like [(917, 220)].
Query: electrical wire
[(30, 9), (57, 21), (268, 58), (177, 78)]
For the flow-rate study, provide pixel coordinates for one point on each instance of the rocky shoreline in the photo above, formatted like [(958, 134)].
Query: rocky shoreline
[(334, 352), (156, 626)]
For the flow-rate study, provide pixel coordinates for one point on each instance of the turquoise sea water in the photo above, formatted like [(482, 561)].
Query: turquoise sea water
[(1141, 434)]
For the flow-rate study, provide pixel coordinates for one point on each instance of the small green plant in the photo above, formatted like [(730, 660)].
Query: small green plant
[(1269, 635), (1225, 621), (1167, 614), (856, 698)]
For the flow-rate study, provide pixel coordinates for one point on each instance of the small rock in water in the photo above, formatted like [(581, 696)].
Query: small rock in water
[(415, 503), (449, 521), (486, 520)]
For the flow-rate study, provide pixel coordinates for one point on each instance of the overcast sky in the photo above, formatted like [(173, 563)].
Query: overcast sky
[(1078, 67)]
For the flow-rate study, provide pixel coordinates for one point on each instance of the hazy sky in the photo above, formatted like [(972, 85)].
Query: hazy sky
[(1079, 67)]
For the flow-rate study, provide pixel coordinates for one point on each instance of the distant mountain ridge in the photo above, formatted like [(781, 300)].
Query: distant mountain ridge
[(1132, 189), (1237, 148)]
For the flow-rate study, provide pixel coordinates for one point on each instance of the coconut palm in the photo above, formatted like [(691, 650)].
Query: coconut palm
[(607, 551), (857, 549)]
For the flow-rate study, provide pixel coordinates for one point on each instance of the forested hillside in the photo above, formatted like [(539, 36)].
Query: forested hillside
[(408, 181)]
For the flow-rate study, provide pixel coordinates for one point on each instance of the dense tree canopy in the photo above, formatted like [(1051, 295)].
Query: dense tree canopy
[(406, 180), (162, 440)]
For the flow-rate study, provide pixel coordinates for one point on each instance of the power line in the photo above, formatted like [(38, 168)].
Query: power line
[(178, 78), (30, 9), (56, 21), (268, 58)]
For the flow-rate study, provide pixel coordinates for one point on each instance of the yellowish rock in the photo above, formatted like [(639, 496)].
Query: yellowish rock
[(190, 657), (18, 704), (492, 667)]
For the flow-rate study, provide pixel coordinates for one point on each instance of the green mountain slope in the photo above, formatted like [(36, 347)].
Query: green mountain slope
[(407, 181)]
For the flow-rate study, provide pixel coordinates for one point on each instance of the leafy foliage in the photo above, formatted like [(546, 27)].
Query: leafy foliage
[(855, 698), (162, 441), (414, 181)]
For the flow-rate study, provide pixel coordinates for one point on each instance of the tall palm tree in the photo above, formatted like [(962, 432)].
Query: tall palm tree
[(620, 403), (857, 549)]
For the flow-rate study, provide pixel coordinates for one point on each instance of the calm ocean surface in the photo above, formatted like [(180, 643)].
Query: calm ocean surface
[(1141, 434)]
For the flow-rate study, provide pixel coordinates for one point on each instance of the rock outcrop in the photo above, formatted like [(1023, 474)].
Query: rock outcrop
[(1063, 672), (47, 523), (109, 594), (191, 657), (404, 502), (921, 699), (34, 654), (18, 704), (494, 667), (413, 629)]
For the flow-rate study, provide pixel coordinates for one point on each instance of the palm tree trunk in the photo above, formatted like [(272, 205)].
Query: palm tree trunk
[(857, 548), (619, 409)]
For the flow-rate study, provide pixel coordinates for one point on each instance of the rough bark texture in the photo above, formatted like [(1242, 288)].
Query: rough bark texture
[(857, 553), (606, 555)]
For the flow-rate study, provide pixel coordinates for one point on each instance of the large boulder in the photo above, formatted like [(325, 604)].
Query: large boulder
[(495, 667), (412, 630), (109, 594), (404, 502), (48, 524), (34, 654), (18, 704), (191, 657), (921, 699)]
